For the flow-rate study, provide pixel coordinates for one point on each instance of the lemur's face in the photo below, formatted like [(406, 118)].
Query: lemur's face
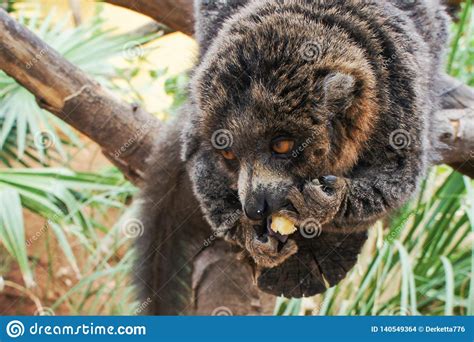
[(266, 118)]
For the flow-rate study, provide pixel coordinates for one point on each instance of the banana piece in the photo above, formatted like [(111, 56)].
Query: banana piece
[(282, 225)]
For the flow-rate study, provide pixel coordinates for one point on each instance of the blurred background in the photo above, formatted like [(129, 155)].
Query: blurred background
[(63, 250)]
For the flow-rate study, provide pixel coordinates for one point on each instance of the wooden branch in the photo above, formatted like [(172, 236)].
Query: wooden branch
[(176, 14), (125, 132), (455, 125), (151, 28)]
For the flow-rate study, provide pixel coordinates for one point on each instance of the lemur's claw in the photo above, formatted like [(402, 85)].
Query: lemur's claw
[(328, 180)]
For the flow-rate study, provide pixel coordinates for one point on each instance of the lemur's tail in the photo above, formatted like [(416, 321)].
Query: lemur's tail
[(168, 211)]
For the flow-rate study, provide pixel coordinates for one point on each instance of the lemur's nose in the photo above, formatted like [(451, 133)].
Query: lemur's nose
[(257, 208)]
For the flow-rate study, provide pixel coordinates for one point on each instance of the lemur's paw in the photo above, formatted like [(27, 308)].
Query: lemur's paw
[(320, 199), (267, 248), (320, 263)]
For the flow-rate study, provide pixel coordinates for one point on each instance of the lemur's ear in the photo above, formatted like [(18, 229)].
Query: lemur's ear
[(339, 91), (210, 15)]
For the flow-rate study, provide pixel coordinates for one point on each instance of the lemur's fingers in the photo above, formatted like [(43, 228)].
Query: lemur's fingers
[(297, 199), (333, 184), (317, 194), (268, 252), (291, 215)]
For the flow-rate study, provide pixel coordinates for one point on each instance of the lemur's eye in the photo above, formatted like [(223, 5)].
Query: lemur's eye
[(283, 146), (228, 154)]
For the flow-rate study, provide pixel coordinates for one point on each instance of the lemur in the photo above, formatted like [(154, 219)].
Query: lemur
[(319, 110)]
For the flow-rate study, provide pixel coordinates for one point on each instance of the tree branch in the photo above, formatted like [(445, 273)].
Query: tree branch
[(455, 124), (176, 14), (125, 132)]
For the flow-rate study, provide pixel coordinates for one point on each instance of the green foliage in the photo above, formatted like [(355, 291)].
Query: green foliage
[(176, 86), (54, 194), (74, 205)]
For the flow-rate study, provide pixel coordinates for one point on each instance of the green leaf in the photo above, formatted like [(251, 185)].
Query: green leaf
[(12, 232)]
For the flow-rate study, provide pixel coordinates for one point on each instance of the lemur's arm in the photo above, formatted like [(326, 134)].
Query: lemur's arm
[(365, 196), (379, 191)]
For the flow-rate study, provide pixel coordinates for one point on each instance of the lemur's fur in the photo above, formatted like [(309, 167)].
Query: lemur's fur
[(346, 80)]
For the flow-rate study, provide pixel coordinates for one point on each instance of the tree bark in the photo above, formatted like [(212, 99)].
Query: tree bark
[(176, 14), (126, 134)]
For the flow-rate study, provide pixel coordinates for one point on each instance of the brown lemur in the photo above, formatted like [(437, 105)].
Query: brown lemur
[(319, 110)]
